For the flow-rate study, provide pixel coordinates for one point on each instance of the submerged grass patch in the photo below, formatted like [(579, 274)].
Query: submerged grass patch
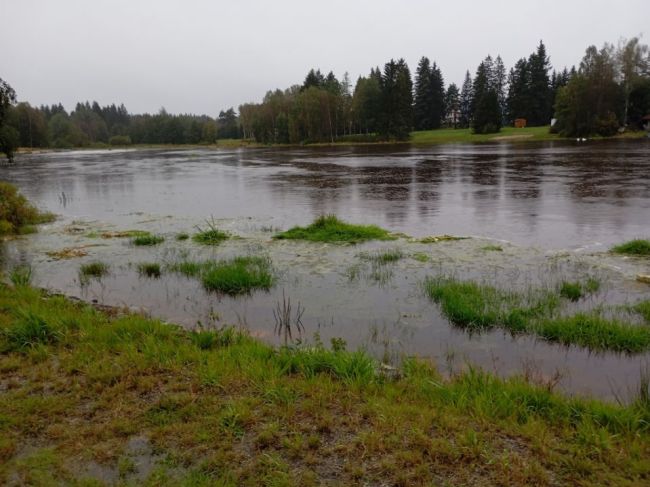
[(234, 276), (639, 247), (21, 275), (149, 269), (147, 239), (382, 257), (329, 228), (492, 248), (575, 290), (91, 270), (475, 307), (82, 385), (239, 275)]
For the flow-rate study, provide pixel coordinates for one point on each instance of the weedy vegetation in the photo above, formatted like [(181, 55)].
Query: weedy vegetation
[(218, 407), (329, 228), (182, 236)]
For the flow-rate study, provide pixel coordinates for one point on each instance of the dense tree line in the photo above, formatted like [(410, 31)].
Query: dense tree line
[(610, 89)]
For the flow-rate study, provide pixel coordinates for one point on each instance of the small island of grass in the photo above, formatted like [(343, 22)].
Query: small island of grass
[(328, 228), (639, 247)]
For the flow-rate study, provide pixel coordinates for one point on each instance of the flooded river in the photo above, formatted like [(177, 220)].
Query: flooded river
[(553, 208)]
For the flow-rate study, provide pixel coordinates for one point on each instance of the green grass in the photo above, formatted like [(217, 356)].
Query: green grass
[(329, 228), (182, 236), (239, 275), (575, 290), (594, 332), (21, 275), (149, 269), (477, 307), (441, 136), (92, 270), (639, 247), (147, 240), (643, 308), (17, 215), (219, 407)]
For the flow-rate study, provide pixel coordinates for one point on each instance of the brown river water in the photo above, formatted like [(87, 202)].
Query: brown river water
[(555, 209)]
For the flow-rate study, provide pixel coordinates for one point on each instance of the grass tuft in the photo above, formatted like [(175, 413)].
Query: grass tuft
[(92, 270), (240, 275), (329, 228), (640, 247), (211, 235), (147, 240), (21, 275), (28, 330), (149, 269), (383, 257), (182, 236)]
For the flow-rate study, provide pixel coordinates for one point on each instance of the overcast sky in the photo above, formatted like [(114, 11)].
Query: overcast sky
[(201, 56)]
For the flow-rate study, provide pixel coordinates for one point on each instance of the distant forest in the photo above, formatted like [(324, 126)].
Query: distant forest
[(608, 90)]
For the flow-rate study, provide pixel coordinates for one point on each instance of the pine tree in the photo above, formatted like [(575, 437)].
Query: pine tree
[(466, 101), (500, 82)]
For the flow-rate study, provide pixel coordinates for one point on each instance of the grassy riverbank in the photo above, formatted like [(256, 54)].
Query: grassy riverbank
[(87, 398)]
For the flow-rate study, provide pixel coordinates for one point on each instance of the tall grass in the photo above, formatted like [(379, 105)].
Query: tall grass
[(210, 234), (149, 269), (329, 228)]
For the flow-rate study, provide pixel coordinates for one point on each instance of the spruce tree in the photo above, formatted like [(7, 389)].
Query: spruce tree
[(397, 100), (423, 96), (540, 110), (452, 105), (437, 107), (487, 113), (466, 101)]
